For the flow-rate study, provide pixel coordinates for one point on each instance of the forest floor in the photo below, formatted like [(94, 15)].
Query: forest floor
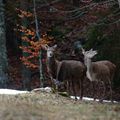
[(49, 106)]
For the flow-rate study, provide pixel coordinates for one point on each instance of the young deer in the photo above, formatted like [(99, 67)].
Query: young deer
[(70, 72), (100, 71)]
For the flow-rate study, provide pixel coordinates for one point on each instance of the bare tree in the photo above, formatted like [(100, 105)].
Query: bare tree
[(3, 51), (26, 74), (74, 2), (119, 3)]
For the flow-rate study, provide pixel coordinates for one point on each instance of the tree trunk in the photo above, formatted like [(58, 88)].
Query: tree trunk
[(3, 51), (68, 1), (38, 35), (119, 3), (76, 3), (26, 74)]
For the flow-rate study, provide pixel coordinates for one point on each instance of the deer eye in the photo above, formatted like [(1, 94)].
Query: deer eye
[(51, 54)]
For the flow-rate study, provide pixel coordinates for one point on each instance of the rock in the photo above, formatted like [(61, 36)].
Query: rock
[(46, 89)]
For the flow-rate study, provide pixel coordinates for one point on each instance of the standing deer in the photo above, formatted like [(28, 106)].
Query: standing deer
[(70, 72), (100, 71)]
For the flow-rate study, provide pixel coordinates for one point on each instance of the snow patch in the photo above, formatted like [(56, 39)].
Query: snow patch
[(12, 92), (47, 89), (92, 99)]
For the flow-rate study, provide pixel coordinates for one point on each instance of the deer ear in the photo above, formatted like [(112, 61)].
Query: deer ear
[(55, 46), (91, 49), (83, 51), (96, 52), (45, 46)]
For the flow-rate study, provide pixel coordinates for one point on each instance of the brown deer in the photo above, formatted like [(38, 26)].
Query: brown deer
[(100, 71), (70, 72)]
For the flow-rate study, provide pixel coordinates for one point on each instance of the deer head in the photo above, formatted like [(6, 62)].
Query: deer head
[(88, 55), (50, 50)]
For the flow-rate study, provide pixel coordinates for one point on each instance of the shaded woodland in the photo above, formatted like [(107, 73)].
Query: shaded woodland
[(29, 24)]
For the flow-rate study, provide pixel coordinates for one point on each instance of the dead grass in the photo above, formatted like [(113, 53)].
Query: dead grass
[(48, 106)]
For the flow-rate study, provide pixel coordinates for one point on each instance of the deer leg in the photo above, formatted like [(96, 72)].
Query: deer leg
[(104, 91), (68, 86), (111, 95), (73, 87), (81, 89), (93, 88)]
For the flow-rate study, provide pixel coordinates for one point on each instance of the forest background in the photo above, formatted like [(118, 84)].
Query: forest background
[(95, 23)]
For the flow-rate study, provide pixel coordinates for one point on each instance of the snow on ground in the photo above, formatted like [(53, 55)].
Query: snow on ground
[(11, 91), (15, 92), (92, 99)]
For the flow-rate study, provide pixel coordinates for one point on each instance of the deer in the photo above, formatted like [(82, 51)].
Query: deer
[(70, 72), (99, 71)]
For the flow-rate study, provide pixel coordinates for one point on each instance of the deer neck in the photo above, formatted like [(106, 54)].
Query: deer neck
[(52, 63), (89, 69)]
